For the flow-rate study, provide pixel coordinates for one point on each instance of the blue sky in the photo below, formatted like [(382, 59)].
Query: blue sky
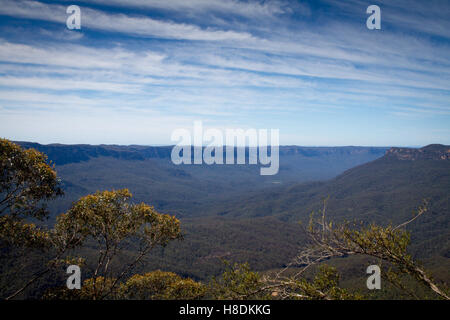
[(139, 69)]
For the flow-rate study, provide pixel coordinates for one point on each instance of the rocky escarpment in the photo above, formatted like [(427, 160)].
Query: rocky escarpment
[(430, 152)]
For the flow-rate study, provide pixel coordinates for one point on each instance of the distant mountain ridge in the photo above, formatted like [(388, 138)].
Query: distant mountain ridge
[(62, 154), (148, 172), (430, 152)]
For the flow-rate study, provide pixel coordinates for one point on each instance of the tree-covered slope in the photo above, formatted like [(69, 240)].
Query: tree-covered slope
[(386, 190), (231, 212), (150, 175), (262, 228)]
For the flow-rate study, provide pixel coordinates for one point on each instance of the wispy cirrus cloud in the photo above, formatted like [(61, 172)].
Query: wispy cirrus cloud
[(247, 63), (249, 8), (134, 25), (430, 17)]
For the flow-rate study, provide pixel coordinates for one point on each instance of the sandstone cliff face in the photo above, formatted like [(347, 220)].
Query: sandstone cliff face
[(430, 152)]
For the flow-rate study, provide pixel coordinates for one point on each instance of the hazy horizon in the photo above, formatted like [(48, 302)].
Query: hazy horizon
[(281, 145)]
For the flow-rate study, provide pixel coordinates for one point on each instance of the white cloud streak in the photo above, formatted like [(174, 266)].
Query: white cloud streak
[(280, 72), (136, 25)]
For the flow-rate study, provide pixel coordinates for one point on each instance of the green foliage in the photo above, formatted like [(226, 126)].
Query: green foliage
[(109, 221), (388, 244), (109, 218), (159, 285), (26, 180), (16, 232), (155, 285), (26, 183), (89, 290), (238, 282), (324, 286)]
